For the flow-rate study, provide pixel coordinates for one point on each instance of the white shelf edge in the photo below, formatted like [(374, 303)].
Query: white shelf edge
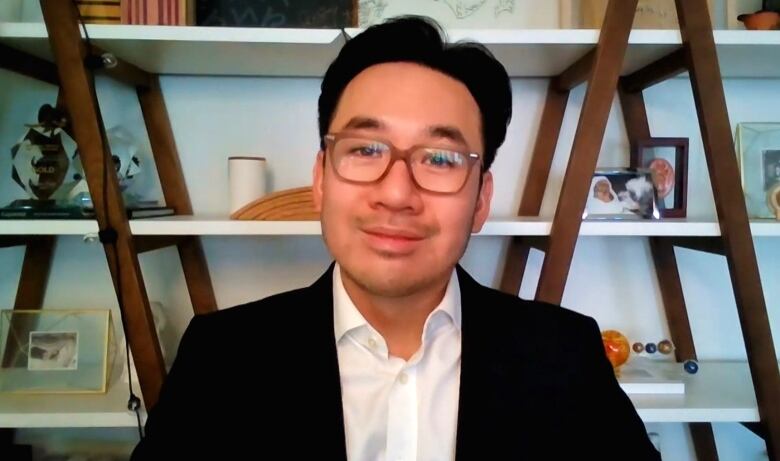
[(497, 227), (720, 392), (324, 36), (48, 226), (181, 33)]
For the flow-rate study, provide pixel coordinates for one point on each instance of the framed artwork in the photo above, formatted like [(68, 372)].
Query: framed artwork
[(327, 14), (621, 193), (650, 14), (464, 14), (56, 350), (667, 159), (758, 148)]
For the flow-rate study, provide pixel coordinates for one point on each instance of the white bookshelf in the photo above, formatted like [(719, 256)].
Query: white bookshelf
[(719, 392), (221, 225), (307, 52), (68, 410)]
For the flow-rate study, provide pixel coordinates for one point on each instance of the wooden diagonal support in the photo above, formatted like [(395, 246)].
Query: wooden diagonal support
[(193, 259), (69, 51), (713, 117), (665, 68), (602, 84), (667, 273), (33, 278), (27, 64), (535, 184)]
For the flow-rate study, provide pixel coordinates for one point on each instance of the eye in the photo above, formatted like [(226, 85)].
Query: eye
[(368, 150), (443, 159)]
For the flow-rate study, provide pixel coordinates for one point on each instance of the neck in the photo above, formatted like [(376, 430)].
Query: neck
[(401, 319)]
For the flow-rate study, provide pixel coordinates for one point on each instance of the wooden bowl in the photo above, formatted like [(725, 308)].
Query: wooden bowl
[(760, 20)]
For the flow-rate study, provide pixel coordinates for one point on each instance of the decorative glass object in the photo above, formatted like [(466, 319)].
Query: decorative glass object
[(616, 347), (56, 350), (45, 161), (758, 148)]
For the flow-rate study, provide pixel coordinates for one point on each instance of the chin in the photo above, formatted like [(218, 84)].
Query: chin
[(389, 278)]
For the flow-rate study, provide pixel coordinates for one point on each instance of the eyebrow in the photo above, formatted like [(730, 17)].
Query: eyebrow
[(360, 122), (449, 132)]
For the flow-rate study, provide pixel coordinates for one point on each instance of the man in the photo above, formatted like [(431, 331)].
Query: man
[(396, 353)]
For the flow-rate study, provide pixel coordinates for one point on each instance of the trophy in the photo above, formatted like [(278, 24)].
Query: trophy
[(45, 165)]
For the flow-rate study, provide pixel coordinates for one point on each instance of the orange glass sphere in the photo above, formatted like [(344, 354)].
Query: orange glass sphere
[(616, 347)]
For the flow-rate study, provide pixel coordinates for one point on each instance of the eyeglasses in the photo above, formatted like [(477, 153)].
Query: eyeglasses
[(365, 161)]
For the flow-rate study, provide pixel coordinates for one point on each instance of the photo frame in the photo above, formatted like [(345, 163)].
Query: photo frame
[(667, 159), (758, 149), (621, 193), (650, 14), (56, 350)]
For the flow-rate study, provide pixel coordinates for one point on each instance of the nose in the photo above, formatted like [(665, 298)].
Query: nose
[(397, 190)]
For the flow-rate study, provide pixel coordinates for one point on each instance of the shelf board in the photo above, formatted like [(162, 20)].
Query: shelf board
[(199, 50), (48, 226), (719, 392), (221, 225), (307, 52), (216, 225), (68, 410)]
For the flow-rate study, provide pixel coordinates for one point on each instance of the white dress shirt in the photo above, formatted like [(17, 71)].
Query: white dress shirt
[(396, 410)]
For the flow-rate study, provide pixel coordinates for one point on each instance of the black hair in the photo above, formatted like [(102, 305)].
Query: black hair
[(421, 40)]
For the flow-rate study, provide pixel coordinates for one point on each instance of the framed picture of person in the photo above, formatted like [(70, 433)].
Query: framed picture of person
[(621, 193), (758, 148), (667, 159)]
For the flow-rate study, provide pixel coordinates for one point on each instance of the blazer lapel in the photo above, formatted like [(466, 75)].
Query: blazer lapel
[(490, 366), (327, 392)]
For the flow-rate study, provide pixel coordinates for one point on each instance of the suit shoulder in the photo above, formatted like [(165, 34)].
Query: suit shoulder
[(279, 307), (539, 314)]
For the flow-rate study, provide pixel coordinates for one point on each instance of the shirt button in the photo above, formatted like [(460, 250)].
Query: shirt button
[(404, 378), (372, 343)]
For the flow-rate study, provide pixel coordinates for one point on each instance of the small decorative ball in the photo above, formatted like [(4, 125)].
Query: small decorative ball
[(616, 347), (638, 348), (665, 347), (691, 366), (651, 348)]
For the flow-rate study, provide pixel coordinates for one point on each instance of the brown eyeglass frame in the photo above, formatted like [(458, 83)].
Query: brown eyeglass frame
[(396, 154)]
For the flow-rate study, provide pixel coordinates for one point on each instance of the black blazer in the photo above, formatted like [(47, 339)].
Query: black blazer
[(261, 381)]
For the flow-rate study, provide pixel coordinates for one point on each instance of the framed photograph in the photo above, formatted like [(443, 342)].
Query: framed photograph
[(56, 350), (621, 193), (758, 148), (667, 159), (53, 350), (650, 14)]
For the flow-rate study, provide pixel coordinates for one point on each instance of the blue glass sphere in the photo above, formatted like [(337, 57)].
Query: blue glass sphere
[(691, 366)]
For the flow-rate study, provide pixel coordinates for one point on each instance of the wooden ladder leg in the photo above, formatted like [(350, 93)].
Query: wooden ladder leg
[(536, 182), (710, 99), (193, 259), (638, 127), (36, 266), (602, 84), (69, 52), (32, 286)]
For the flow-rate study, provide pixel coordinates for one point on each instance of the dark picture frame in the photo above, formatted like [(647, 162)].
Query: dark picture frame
[(672, 193)]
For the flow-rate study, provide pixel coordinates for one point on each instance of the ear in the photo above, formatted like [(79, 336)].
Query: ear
[(317, 174), (482, 209)]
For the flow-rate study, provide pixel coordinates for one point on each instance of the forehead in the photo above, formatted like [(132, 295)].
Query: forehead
[(407, 98)]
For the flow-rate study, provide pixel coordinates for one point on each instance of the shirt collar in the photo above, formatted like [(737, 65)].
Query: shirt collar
[(346, 316)]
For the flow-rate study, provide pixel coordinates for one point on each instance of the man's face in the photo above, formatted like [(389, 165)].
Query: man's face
[(391, 237)]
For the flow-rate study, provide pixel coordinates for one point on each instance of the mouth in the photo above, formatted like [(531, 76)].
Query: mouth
[(393, 241)]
